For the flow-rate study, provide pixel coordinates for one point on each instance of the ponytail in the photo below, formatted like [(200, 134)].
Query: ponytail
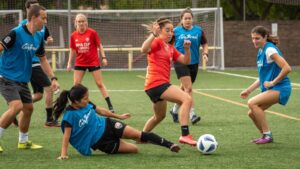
[(76, 93), (264, 32), (61, 103)]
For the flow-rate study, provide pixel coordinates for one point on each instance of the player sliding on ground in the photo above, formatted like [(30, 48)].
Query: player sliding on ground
[(85, 130)]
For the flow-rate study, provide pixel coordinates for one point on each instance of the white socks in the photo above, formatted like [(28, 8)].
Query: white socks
[(192, 113), (23, 137), (175, 108)]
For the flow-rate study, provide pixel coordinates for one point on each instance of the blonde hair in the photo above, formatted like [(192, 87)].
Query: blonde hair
[(78, 16)]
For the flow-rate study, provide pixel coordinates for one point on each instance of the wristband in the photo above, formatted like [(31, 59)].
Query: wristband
[(103, 58), (53, 78), (154, 34), (205, 54)]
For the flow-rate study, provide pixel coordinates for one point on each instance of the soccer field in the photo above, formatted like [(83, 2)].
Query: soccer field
[(217, 101)]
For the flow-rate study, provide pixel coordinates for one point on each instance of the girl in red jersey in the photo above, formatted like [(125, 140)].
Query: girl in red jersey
[(161, 52), (84, 46)]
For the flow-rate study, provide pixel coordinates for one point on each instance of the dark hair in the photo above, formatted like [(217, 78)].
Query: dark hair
[(28, 3), (76, 93), (264, 32), (186, 10), (34, 10)]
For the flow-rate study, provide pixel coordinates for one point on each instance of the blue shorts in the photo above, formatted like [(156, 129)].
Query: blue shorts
[(284, 93)]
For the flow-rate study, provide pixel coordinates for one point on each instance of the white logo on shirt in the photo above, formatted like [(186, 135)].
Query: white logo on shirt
[(28, 46), (182, 36), (7, 39), (84, 120)]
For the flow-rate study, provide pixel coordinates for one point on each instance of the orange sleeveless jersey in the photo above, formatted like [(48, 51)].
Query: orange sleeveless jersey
[(159, 63)]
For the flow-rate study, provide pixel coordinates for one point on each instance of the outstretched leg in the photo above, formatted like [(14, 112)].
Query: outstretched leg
[(132, 133)]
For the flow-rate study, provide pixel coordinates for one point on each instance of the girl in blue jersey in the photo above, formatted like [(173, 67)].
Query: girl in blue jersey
[(187, 73), (273, 81), (85, 130)]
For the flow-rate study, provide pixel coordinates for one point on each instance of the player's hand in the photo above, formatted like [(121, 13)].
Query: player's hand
[(187, 44), (104, 62), (54, 85), (125, 116), (204, 58), (62, 157), (69, 68), (155, 28), (268, 84), (244, 94)]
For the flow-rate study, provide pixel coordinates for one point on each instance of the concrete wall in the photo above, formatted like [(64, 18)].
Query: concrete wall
[(240, 52)]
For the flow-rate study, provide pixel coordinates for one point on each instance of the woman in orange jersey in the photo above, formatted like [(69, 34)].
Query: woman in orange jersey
[(160, 52)]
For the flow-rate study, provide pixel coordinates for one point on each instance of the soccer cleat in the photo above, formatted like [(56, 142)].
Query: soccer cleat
[(29, 145), (195, 119), (175, 148), (53, 123), (254, 140), (265, 139), (174, 116), (187, 140)]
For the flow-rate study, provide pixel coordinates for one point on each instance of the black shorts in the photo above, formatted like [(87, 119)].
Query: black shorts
[(155, 92), (90, 68), (12, 90), (110, 141), (39, 80), (186, 70)]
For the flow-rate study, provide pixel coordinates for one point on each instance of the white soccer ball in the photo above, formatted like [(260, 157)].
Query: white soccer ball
[(207, 144)]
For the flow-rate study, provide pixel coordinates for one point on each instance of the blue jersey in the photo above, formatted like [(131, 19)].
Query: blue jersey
[(35, 59), (268, 70), (87, 127), (194, 35), (19, 48)]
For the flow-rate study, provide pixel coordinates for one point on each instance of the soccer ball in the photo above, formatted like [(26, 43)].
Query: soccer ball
[(207, 144)]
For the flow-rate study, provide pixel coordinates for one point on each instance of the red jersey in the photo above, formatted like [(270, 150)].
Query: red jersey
[(86, 47), (159, 63)]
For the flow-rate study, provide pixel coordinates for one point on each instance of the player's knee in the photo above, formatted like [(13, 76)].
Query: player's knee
[(250, 114), (188, 89), (37, 96), (16, 108), (135, 150), (251, 104), (160, 116)]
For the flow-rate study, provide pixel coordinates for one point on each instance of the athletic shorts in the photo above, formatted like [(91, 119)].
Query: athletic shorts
[(110, 141), (186, 70), (155, 92), (12, 90), (39, 80), (89, 68), (284, 93)]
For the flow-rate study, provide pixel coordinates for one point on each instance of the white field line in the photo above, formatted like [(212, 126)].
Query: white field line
[(238, 103), (244, 76)]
